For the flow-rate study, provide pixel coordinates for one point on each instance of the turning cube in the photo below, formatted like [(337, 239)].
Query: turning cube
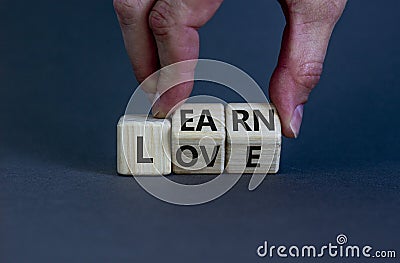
[(198, 138), (143, 145), (253, 138)]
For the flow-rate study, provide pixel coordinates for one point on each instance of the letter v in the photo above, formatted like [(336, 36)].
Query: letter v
[(214, 155)]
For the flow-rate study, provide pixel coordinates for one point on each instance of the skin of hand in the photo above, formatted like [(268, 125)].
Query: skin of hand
[(158, 33)]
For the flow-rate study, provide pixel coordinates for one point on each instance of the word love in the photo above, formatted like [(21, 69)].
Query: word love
[(201, 139)]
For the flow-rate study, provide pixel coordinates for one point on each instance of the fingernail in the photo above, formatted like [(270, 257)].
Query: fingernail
[(295, 122), (155, 114), (158, 114)]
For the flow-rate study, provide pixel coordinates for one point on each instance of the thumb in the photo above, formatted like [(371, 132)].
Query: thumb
[(305, 40)]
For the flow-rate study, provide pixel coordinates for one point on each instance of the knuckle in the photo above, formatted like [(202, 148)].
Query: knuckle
[(335, 8), (309, 74), (162, 17), (317, 11), (332, 10), (127, 10)]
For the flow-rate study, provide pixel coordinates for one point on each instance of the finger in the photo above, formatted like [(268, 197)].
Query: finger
[(174, 24), (138, 38), (304, 44)]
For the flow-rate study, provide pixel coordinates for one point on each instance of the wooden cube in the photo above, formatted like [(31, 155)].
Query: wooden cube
[(143, 145), (253, 138), (198, 138)]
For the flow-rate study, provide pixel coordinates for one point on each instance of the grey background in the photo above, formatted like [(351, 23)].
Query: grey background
[(65, 80)]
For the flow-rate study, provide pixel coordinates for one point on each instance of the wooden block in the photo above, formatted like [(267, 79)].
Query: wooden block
[(198, 138), (253, 138), (143, 145)]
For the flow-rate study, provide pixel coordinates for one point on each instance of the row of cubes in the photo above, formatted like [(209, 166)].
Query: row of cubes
[(206, 138)]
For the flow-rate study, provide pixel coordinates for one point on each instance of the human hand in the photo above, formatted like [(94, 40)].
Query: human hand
[(309, 25), (158, 33)]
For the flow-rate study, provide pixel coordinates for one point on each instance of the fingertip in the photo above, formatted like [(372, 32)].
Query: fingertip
[(289, 101), (291, 128), (158, 114), (291, 120), (167, 103)]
